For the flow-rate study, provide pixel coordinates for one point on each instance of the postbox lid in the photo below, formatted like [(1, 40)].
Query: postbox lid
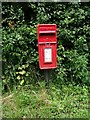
[(47, 27)]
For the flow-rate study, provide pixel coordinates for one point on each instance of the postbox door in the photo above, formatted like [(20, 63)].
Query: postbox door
[(47, 56)]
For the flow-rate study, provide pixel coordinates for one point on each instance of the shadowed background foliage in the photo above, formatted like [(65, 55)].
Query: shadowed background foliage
[(19, 40)]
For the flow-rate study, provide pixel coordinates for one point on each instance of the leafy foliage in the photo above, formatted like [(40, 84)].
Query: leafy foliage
[(19, 39)]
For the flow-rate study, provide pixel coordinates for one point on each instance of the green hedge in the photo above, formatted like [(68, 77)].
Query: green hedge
[(19, 40)]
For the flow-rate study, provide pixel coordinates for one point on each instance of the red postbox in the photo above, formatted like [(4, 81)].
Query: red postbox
[(47, 46)]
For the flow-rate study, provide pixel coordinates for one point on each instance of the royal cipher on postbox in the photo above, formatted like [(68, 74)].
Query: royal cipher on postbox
[(47, 45)]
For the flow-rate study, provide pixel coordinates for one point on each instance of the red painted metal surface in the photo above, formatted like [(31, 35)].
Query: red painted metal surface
[(47, 46)]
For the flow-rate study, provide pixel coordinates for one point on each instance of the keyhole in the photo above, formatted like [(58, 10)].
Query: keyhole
[(47, 44)]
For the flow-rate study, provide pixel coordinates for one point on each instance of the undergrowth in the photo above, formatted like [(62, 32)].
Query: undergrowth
[(66, 101)]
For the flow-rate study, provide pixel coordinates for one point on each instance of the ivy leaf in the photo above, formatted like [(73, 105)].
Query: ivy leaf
[(22, 82), (22, 72), (18, 77)]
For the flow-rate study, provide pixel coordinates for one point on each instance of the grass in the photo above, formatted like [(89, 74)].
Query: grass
[(66, 101)]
